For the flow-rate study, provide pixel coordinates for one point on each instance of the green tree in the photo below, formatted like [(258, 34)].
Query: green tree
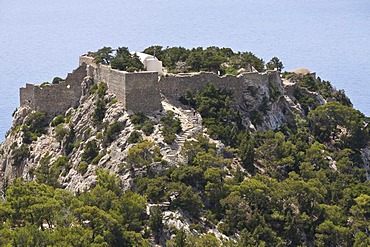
[(90, 152), (155, 222), (103, 55), (275, 63), (126, 61)]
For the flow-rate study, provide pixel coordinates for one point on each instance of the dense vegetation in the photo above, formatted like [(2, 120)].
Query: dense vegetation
[(223, 60), (180, 59), (42, 215), (122, 59)]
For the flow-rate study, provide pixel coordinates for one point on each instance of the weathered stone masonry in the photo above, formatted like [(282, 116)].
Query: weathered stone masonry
[(56, 98), (139, 92), (176, 85)]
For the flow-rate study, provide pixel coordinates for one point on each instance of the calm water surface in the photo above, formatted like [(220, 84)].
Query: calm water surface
[(42, 39)]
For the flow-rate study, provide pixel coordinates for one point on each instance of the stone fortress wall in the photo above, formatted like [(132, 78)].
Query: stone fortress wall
[(54, 98), (176, 85), (139, 92)]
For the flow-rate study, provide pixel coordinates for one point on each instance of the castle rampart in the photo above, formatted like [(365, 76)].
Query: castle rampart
[(175, 86), (139, 92), (54, 98)]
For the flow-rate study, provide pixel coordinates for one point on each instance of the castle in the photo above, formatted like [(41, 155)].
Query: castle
[(138, 91)]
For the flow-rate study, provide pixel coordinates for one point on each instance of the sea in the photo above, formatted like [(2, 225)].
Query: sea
[(42, 39)]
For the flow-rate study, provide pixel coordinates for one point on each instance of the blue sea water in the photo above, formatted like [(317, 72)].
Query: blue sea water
[(42, 39)]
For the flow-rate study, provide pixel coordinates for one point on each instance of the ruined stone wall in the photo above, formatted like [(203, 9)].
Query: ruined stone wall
[(27, 95), (54, 98), (175, 86), (115, 80), (139, 92), (142, 92), (87, 60)]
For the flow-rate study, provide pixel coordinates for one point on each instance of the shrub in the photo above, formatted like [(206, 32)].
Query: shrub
[(20, 154), (96, 160), (82, 167), (44, 84), (113, 101), (171, 127), (143, 123), (147, 127), (62, 162), (99, 112), (57, 120), (143, 153), (112, 131), (36, 122), (68, 118), (61, 132), (138, 118), (134, 137), (93, 88), (70, 141), (56, 80), (91, 151), (34, 126), (102, 89)]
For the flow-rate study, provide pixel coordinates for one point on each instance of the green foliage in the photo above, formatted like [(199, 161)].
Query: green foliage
[(60, 132), (124, 60), (20, 154), (155, 222), (82, 167), (309, 101), (179, 59), (96, 160), (48, 173), (57, 120), (343, 124), (90, 152), (275, 63), (34, 126), (44, 83), (171, 127), (143, 154), (134, 137), (138, 118), (143, 123), (112, 131), (103, 55), (99, 112), (57, 80), (246, 151), (221, 120), (100, 104), (102, 89), (40, 215), (70, 140)]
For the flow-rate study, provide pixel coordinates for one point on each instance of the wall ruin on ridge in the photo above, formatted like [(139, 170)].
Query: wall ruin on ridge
[(54, 98), (175, 86), (141, 91)]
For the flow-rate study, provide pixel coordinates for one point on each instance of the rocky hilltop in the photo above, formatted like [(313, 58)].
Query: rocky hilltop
[(244, 167)]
